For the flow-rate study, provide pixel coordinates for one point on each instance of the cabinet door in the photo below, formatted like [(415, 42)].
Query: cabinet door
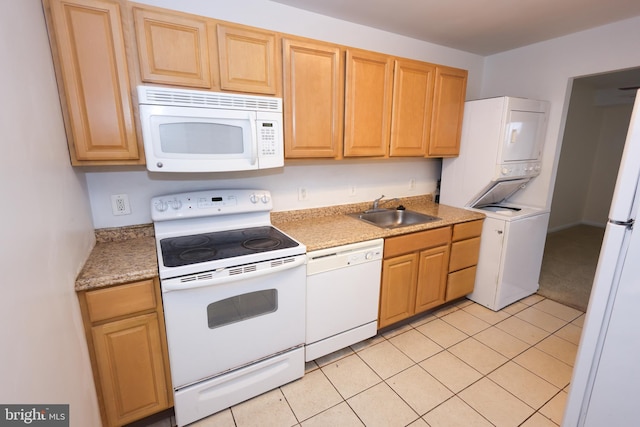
[(93, 79), (313, 99), (432, 278), (398, 289), (448, 106), (411, 112), (130, 365), (368, 86), (173, 48), (248, 60)]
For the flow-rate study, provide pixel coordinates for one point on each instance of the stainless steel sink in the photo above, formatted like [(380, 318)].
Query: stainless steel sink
[(394, 218)]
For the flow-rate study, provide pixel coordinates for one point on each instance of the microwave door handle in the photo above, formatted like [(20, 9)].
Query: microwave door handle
[(254, 142)]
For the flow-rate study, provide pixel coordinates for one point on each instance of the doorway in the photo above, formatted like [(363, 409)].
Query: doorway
[(597, 121)]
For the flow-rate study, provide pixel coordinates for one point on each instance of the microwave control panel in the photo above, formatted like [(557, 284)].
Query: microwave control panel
[(267, 138)]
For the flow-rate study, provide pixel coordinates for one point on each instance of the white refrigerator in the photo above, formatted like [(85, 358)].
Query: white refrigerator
[(605, 388)]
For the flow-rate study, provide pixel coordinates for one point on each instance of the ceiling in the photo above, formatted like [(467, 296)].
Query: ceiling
[(483, 27)]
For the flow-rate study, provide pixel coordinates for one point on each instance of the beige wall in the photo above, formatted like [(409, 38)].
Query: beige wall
[(46, 229)]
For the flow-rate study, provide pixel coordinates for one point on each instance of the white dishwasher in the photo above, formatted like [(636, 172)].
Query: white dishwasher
[(343, 290)]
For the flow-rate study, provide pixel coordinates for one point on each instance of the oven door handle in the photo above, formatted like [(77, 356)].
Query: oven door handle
[(177, 284)]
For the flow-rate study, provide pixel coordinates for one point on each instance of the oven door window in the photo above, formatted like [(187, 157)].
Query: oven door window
[(242, 307)]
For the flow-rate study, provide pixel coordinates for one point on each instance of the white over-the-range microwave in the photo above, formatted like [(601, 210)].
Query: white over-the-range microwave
[(200, 131)]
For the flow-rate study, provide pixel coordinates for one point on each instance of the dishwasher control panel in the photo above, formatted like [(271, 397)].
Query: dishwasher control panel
[(364, 256), (344, 256)]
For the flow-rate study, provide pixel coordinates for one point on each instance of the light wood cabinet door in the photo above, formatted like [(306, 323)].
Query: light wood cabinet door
[(398, 289), (411, 111), (248, 60), (130, 365), (432, 278), (125, 331), (368, 96), (313, 76), (173, 48), (93, 81), (450, 89)]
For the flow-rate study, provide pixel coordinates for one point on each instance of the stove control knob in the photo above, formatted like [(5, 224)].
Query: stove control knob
[(253, 198), (175, 204), (505, 171), (265, 199), (161, 206)]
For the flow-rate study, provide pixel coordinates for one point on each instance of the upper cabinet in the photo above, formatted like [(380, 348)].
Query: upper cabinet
[(173, 49), (93, 80), (338, 101), (392, 106), (192, 51), (248, 60), (368, 88), (313, 75), (448, 107), (412, 106)]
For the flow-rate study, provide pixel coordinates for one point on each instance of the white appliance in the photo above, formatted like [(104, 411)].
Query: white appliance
[(500, 153), (233, 289), (606, 376), (343, 289), (199, 131)]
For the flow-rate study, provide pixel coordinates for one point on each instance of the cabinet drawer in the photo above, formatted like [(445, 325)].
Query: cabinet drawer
[(394, 246), (466, 230), (460, 283), (121, 300), (464, 254)]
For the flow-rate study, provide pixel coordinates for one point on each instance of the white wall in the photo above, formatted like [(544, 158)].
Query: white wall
[(327, 182), (46, 230), (579, 145), (592, 147), (544, 70), (611, 139)]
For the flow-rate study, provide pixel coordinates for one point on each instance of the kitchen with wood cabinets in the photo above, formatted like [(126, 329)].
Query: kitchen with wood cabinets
[(339, 102)]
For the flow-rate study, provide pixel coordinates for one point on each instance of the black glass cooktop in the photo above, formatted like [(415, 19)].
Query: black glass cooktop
[(186, 250)]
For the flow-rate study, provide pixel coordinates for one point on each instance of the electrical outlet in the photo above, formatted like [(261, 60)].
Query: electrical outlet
[(302, 194), (412, 184), (120, 204)]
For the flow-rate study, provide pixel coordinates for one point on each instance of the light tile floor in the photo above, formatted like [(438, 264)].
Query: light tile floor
[(464, 365)]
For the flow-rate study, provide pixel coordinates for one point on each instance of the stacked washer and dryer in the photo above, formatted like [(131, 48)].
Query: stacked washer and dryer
[(500, 153)]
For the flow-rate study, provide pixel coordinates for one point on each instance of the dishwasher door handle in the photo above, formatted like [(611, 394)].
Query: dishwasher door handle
[(180, 284)]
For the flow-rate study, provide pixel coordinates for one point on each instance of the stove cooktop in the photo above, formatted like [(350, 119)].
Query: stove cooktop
[(200, 248)]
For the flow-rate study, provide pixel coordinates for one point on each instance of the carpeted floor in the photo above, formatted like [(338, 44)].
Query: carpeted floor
[(569, 264)]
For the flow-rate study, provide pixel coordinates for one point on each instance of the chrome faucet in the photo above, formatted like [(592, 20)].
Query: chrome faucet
[(377, 202)]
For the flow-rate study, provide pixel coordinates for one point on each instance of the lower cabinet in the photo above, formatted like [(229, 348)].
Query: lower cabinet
[(465, 249), (423, 270), (414, 274), (125, 332)]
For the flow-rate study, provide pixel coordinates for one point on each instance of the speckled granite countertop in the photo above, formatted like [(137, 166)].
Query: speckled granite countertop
[(327, 227), (121, 255), (128, 254)]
